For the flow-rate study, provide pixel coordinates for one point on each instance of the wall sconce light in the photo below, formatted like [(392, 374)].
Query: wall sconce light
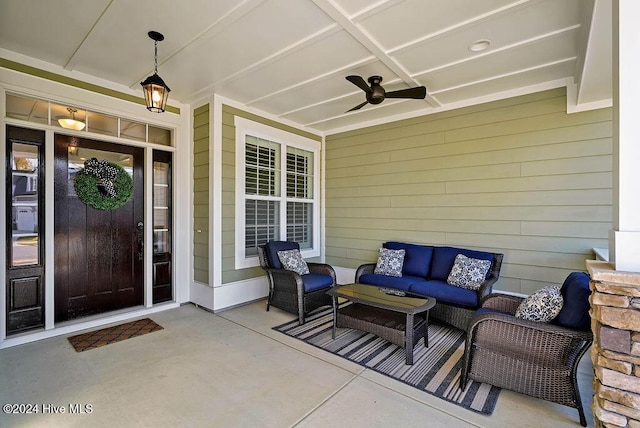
[(71, 122), (155, 90)]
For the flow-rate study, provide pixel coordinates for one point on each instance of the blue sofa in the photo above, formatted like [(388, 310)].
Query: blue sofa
[(424, 273)]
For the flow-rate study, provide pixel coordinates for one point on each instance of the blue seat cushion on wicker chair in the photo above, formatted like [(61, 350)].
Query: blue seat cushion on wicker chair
[(417, 258), (446, 293), (444, 257), (575, 310), (316, 281), (273, 247), (490, 311), (400, 283)]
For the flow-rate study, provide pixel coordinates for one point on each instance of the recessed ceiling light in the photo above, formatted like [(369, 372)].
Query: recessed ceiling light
[(479, 45)]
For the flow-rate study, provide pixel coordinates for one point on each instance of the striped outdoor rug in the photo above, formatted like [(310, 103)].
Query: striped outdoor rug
[(436, 370)]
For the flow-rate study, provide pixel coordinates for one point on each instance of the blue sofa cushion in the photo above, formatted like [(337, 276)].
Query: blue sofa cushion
[(400, 283), (575, 311), (272, 248), (316, 281), (444, 257), (446, 293), (417, 259)]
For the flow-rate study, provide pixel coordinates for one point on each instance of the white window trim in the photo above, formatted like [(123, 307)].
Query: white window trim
[(286, 139)]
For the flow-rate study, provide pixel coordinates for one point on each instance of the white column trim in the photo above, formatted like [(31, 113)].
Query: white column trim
[(624, 238)]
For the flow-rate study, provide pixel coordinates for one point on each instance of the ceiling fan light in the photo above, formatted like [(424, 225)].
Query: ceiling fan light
[(375, 94)]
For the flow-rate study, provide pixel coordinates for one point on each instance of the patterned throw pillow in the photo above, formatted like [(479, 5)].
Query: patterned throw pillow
[(292, 260), (468, 273), (542, 306), (389, 262)]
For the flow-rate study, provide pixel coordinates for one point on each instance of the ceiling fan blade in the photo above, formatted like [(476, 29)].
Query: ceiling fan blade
[(358, 107), (359, 82), (418, 93)]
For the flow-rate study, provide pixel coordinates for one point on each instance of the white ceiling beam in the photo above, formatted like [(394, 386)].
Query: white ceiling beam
[(74, 59), (299, 45), (583, 42), (373, 9), (598, 39), (339, 16), (341, 70)]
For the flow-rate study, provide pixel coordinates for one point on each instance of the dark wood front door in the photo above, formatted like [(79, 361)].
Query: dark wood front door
[(98, 254)]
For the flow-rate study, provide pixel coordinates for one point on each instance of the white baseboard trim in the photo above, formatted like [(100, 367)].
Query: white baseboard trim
[(239, 292), (201, 295)]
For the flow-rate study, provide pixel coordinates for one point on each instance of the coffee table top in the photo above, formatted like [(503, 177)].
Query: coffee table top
[(373, 295)]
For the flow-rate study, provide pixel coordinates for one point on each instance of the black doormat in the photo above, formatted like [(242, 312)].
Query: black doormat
[(105, 336)]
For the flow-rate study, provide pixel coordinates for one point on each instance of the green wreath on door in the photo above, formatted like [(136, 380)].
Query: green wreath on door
[(103, 185)]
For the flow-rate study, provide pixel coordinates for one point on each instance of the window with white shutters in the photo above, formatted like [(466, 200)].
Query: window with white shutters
[(277, 190)]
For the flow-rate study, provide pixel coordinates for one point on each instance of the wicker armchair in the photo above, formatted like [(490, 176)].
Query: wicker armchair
[(533, 358), (297, 294)]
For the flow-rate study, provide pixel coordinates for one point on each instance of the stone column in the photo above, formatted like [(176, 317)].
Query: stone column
[(615, 321)]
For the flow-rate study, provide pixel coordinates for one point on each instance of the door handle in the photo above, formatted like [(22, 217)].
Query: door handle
[(140, 234)]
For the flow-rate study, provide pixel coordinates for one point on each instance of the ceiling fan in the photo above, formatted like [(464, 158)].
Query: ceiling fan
[(376, 93)]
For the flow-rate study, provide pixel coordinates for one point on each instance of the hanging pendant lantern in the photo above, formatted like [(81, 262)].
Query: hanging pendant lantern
[(156, 92)]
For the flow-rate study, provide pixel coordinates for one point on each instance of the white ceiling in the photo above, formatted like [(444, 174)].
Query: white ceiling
[(289, 58)]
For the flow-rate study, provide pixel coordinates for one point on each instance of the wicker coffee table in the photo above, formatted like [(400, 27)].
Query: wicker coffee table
[(399, 319)]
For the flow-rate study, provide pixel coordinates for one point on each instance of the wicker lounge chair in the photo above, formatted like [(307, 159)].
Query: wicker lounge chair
[(297, 294), (533, 358)]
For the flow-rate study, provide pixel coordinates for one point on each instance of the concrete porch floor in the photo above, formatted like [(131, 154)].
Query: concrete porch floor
[(232, 370)]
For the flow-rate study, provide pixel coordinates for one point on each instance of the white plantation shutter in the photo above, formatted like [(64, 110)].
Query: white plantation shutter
[(262, 166), (262, 191), (299, 173), (300, 196), (261, 224), (300, 223)]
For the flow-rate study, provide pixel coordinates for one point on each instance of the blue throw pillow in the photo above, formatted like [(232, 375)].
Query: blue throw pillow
[(575, 311), (417, 258)]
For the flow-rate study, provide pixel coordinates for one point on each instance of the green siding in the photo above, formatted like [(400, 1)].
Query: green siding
[(229, 273), (517, 176), (201, 194)]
